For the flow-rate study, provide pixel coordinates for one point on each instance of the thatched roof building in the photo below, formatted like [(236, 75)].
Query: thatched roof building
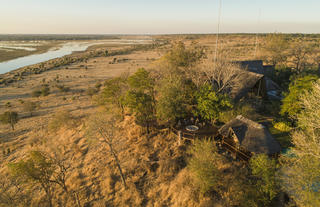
[(252, 82), (255, 66), (249, 136)]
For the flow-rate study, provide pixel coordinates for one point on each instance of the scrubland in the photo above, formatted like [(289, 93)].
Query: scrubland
[(79, 167)]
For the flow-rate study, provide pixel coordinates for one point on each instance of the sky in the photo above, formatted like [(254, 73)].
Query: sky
[(158, 16)]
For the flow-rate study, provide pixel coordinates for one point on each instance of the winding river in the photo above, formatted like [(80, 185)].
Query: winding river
[(66, 49)]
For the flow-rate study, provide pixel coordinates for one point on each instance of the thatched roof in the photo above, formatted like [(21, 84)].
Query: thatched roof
[(251, 135), (250, 79), (255, 66)]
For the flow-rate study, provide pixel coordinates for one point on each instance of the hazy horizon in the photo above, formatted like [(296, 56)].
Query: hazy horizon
[(147, 17)]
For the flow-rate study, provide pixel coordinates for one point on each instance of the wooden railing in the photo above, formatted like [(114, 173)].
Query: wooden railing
[(233, 149), (184, 135)]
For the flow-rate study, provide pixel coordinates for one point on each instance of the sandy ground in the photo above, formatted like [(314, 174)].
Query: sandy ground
[(75, 76)]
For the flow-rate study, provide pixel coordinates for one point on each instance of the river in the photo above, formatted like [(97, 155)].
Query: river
[(65, 49)]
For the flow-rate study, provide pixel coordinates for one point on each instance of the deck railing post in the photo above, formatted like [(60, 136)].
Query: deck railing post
[(179, 137)]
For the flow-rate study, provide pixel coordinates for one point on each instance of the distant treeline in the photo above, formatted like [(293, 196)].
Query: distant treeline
[(287, 35), (30, 37)]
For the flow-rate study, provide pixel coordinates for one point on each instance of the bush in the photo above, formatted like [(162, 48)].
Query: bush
[(282, 126), (98, 85), (266, 183), (204, 164), (241, 109), (63, 88), (9, 117), (8, 105), (36, 93), (44, 91), (61, 119), (30, 106), (92, 91)]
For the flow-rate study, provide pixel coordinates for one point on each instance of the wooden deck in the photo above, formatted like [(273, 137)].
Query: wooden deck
[(201, 133), (211, 132)]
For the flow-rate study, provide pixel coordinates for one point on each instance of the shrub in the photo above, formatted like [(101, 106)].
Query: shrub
[(30, 107), (45, 90), (9, 117), (61, 119), (63, 88), (8, 104), (204, 164), (282, 126), (92, 91), (36, 93), (266, 184), (240, 109)]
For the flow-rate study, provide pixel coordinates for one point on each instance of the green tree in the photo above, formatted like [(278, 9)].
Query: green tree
[(9, 117), (142, 105), (204, 163), (113, 93), (210, 104), (180, 56), (266, 183), (38, 169), (290, 104), (301, 168), (175, 98), (142, 81), (140, 97)]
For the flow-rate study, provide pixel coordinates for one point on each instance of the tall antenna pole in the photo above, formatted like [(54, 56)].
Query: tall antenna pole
[(257, 43), (217, 36)]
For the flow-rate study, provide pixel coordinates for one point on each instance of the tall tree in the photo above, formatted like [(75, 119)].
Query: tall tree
[(180, 56), (175, 98), (264, 171), (300, 52), (222, 73), (140, 97), (113, 93), (290, 104), (301, 168), (209, 104), (104, 128)]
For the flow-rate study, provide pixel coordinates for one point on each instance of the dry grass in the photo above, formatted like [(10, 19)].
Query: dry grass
[(154, 165)]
